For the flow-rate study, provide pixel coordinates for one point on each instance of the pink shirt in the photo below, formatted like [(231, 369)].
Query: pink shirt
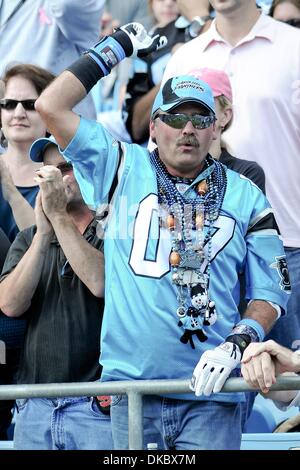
[(264, 70)]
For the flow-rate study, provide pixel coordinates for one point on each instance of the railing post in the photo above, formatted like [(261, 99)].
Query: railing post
[(135, 420)]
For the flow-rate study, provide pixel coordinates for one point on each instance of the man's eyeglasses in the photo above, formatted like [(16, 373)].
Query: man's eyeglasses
[(179, 121), (293, 22), (10, 105), (65, 167)]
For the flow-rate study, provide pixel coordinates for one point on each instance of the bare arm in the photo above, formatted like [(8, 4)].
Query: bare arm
[(17, 289), (285, 397), (86, 261), (263, 313), (262, 362), (55, 106), (56, 103), (142, 113), (22, 211)]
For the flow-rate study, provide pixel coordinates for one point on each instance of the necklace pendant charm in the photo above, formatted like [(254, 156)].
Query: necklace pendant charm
[(199, 221), (181, 312), (199, 297), (192, 324), (174, 258), (170, 222), (210, 316), (190, 259), (188, 277)]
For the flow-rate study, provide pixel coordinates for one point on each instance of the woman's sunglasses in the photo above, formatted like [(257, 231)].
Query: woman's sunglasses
[(179, 121), (10, 105), (293, 22)]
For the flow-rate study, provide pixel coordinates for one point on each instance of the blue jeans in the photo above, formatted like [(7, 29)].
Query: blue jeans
[(287, 329), (180, 424), (61, 423)]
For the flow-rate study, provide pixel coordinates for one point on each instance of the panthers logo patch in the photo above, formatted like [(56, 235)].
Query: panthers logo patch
[(282, 269)]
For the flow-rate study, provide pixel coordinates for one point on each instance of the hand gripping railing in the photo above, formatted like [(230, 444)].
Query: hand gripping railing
[(134, 390)]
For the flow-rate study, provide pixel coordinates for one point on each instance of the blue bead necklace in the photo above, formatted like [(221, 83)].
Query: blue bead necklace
[(185, 207)]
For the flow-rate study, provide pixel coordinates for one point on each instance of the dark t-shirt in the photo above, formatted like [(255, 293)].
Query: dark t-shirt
[(7, 221), (247, 168), (256, 174), (11, 329), (62, 342)]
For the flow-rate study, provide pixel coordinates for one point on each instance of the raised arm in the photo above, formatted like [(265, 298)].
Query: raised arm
[(198, 13), (86, 261), (55, 106), (56, 103)]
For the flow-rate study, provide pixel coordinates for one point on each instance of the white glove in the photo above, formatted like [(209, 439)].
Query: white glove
[(142, 43), (214, 368)]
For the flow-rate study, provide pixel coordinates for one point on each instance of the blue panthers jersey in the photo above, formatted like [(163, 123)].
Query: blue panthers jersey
[(140, 331)]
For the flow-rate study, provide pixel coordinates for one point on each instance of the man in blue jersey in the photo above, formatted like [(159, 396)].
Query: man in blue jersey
[(180, 229)]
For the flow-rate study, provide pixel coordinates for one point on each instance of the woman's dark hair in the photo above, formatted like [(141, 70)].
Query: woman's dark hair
[(39, 77)]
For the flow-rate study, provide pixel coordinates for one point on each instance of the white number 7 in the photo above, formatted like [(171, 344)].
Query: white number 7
[(149, 237)]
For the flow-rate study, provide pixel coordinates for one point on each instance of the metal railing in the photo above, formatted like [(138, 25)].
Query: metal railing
[(134, 390)]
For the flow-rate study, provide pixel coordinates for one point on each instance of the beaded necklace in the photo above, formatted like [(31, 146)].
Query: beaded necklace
[(184, 208)]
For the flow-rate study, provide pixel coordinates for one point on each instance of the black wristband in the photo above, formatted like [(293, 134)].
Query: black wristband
[(242, 341), (87, 71), (123, 39)]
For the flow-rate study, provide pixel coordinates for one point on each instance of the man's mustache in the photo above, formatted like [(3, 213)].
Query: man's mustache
[(189, 140)]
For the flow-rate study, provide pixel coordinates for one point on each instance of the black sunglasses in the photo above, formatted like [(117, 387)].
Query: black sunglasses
[(9, 104), (179, 121), (293, 22)]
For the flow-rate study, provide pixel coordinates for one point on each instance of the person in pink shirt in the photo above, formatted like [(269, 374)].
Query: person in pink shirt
[(262, 59), (220, 84)]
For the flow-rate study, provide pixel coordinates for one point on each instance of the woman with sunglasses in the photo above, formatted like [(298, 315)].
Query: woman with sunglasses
[(21, 125)]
